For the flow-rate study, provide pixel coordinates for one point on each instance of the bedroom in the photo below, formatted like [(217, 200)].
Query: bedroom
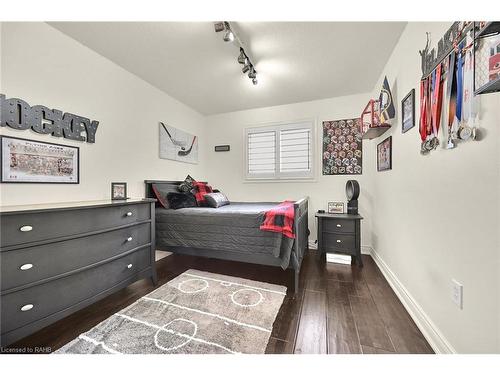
[(264, 113)]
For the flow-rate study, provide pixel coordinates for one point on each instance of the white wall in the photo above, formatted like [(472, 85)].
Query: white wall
[(436, 217), (227, 169), (430, 219), (41, 65)]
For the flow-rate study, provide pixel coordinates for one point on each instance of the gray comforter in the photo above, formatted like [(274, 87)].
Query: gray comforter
[(233, 228)]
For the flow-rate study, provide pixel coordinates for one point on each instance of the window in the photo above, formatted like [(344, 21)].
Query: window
[(280, 152)]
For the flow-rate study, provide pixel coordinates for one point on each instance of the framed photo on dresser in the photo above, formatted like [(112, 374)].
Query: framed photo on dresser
[(118, 191), (28, 161)]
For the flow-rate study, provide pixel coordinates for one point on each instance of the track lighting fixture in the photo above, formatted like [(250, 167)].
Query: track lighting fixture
[(243, 58), (228, 36), (252, 73)]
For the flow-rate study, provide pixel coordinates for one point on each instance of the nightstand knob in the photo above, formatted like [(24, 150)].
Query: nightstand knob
[(129, 266), (129, 239), (339, 225), (26, 228), (129, 213), (339, 241), (26, 267)]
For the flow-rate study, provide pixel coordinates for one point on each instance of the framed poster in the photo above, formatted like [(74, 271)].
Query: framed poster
[(408, 111), (178, 145), (335, 207), (342, 147), (384, 155), (28, 161)]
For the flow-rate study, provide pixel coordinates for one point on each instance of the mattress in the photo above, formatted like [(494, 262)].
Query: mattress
[(231, 228)]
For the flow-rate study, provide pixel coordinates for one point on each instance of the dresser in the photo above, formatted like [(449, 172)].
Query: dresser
[(58, 258), (340, 233)]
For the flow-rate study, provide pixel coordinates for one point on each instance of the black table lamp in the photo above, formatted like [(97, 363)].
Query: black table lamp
[(352, 192)]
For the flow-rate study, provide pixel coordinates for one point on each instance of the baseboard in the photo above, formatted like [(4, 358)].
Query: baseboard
[(366, 250), (433, 335)]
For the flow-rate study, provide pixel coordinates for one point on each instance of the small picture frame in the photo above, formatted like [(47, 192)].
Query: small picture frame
[(384, 155), (408, 111), (118, 191), (335, 207)]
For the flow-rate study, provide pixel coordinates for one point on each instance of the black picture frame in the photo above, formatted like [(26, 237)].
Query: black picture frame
[(410, 96), (3, 181), (388, 141), (115, 197)]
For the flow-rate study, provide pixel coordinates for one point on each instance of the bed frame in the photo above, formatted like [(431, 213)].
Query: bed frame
[(299, 249)]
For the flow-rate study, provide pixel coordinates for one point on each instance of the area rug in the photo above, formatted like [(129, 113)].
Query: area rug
[(197, 312)]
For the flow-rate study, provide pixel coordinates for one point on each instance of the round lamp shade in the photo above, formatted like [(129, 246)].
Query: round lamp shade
[(352, 190)]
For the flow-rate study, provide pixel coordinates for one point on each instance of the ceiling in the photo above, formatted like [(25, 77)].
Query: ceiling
[(295, 61)]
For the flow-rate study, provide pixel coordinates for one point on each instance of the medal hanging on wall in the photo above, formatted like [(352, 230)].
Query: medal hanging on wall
[(424, 96), (436, 111), (451, 98), (436, 97), (469, 106), (464, 131)]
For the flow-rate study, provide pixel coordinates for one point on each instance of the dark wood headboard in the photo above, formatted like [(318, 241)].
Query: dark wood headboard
[(149, 190)]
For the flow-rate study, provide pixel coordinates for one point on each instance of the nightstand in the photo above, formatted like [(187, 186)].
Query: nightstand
[(340, 233)]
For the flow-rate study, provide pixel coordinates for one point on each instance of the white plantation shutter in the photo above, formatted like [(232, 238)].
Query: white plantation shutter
[(280, 151), (262, 153), (295, 151)]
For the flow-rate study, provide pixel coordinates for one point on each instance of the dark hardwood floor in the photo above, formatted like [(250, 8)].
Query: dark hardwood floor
[(339, 309)]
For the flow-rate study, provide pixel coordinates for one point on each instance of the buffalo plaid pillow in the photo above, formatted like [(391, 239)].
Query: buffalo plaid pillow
[(199, 191)]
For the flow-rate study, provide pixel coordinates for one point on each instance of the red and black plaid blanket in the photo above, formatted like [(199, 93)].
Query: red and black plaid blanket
[(280, 219)]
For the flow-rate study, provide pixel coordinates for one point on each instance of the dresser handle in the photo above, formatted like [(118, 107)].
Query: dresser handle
[(129, 213), (26, 267), (339, 225), (129, 239), (27, 307), (26, 228), (339, 241), (129, 266)]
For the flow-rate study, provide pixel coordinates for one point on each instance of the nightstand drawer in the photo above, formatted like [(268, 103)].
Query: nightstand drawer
[(339, 242), (339, 225)]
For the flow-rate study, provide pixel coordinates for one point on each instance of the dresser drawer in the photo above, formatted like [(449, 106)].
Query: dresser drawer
[(22, 228), (339, 225), (46, 299), (24, 266), (339, 242)]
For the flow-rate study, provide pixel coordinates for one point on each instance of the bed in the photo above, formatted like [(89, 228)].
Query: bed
[(230, 232)]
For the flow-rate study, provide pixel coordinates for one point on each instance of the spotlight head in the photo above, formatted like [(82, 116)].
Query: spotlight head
[(242, 58), (246, 67), (252, 73), (228, 36), (254, 80), (219, 26)]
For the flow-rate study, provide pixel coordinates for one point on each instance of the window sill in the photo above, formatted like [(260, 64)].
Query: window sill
[(280, 180)]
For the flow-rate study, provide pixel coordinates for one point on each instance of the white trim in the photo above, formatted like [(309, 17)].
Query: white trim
[(434, 336), (365, 250), (277, 127), (234, 283), (209, 314)]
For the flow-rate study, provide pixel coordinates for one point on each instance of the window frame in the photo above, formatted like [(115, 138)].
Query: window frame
[(277, 128)]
